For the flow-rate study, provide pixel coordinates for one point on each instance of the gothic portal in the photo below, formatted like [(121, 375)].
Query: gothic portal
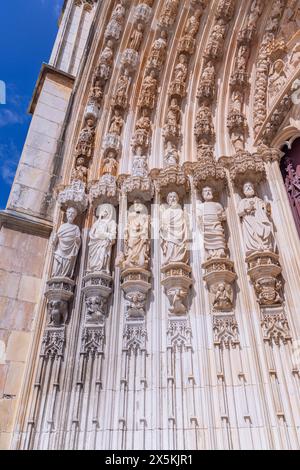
[(150, 250)]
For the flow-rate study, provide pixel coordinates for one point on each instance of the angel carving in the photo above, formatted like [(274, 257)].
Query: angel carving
[(223, 297)]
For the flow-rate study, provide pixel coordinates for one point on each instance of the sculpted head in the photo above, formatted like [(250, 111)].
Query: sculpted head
[(71, 214), (248, 189), (172, 199), (207, 194), (80, 161), (90, 121), (164, 34), (105, 211)]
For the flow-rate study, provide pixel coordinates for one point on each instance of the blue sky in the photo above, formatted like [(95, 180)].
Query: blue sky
[(27, 34)]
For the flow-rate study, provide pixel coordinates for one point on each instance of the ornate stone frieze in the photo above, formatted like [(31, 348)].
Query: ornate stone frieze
[(92, 341), (179, 334), (134, 337), (226, 332), (137, 187), (53, 343), (206, 171), (275, 326), (170, 179), (247, 167), (74, 196), (104, 191)]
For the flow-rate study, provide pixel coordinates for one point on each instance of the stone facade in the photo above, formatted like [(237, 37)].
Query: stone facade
[(149, 256)]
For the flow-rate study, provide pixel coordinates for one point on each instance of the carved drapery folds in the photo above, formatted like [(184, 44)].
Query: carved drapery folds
[(66, 244), (134, 260), (174, 234)]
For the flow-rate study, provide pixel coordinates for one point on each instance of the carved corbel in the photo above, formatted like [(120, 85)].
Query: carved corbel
[(97, 289)]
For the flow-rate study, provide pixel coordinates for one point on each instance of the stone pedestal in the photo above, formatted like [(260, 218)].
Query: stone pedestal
[(219, 276), (135, 285), (58, 293), (97, 289), (264, 270), (176, 279)]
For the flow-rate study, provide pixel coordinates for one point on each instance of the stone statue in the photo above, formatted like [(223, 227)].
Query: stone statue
[(258, 229), (110, 165), (211, 216), (180, 71), (171, 156), (121, 95), (85, 144), (136, 238), (158, 52), (102, 238), (192, 25), (174, 231), (277, 78), (66, 245), (80, 172), (140, 164), (103, 70), (136, 38), (116, 123), (148, 91)]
